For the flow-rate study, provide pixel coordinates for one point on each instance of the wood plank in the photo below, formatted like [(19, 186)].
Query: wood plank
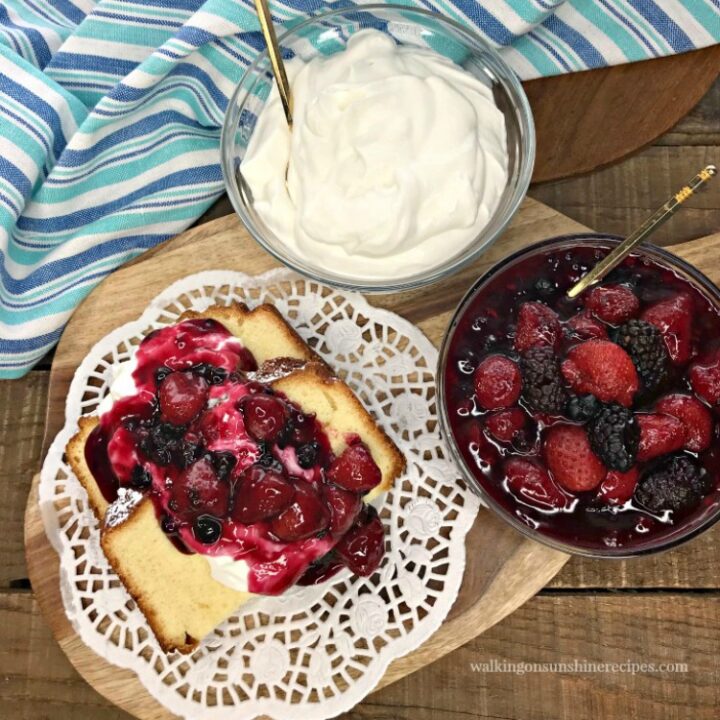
[(22, 419), (617, 199), (701, 126), (39, 682)]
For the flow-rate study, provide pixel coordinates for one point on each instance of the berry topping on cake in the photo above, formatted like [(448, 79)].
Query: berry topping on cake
[(705, 379), (532, 484), (613, 304), (504, 425), (618, 487), (265, 416), (673, 317), (646, 346), (363, 546), (659, 435), (571, 460), (585, 326), (497, 382), (344, 507), (306, 516), (696, 419), (537, 325), (261, 494), (614, 437), (355, 469), (677, 484), (543, 386), (603, 369)]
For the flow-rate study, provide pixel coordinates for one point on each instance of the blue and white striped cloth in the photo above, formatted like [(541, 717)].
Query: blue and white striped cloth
[(110, 116)]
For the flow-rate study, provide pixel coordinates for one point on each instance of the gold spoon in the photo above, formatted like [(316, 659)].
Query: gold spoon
[(611, 261), (278, 66)]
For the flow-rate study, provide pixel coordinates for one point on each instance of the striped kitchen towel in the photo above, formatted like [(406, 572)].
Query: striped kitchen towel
[(110, 116)]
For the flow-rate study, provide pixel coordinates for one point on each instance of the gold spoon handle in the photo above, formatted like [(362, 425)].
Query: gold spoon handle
[(278, 66), (611, 261)]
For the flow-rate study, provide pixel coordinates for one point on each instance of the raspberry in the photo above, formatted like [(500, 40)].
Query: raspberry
[(677, 485), (355, 469), (645, 345), (308, 515), (618, 487), (673, 317), (363, 546), (532, 484), (261, 494), (537, 325), (603, 369), (497, 382), (705, 379), (584, 326), (344, 507), (695, 416), (659, 435), (614, 437), (543, 386), (613, 303), (182, 397), (571, 460), (265, 416), (505, 424)]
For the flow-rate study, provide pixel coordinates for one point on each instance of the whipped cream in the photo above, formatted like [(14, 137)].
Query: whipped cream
[(122, 384), (397, 160)]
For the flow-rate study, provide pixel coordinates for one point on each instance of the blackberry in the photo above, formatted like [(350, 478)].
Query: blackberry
[(207, 529), (266, 459), (646, 346), (614, 437), (140, 478), (307, 454), (212, 374), (581, 408), (187, 453), (224, 462), (543, 386), (162, 443), (677, 484)]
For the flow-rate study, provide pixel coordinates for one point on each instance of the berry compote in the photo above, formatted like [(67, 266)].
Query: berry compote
[(232, 466), (589, 423)]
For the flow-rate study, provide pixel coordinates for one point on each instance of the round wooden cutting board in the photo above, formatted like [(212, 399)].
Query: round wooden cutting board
[(503, 568)]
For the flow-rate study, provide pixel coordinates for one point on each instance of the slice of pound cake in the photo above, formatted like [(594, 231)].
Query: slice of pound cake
[(228, 461)]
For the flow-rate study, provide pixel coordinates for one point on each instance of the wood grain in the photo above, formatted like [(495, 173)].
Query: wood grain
[(583, 120), (39, 684)]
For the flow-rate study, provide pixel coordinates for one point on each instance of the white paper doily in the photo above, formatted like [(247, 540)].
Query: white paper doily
[(317, 651)]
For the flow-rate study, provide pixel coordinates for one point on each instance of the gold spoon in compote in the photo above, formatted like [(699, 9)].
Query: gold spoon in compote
[(278, 66), (612, 260)]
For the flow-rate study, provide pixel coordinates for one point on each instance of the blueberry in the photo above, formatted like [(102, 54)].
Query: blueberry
[(188, 453), (212, 374), (223, 462), (161, 373), (140, 478), (168, 525), (545, 288), (207, 529)]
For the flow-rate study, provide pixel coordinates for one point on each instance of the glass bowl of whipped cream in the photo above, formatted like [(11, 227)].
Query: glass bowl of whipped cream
[(411, 149)]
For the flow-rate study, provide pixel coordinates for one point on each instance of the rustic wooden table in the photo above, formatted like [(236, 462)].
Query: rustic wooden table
[(659, 610)]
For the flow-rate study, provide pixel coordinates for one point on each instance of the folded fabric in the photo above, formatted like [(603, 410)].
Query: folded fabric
[(110, 117)]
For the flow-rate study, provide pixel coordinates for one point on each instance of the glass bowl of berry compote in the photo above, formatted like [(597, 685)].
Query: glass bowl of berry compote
[(590, 424)]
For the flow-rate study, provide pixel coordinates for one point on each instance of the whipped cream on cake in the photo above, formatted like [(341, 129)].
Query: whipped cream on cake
[(237, 472), (397, 159)]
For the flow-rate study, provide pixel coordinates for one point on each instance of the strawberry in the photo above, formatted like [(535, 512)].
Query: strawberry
[(265, 416), (344, 507), (308, 515), (659, 435), (537, 325), (673, 317), (571, 460), (695, 416), (355, 469), (603, 369), (181, 397), (532, 484), (613, 303), (503, 425), (585, 326), (262, 494), (705, 379), (498, 382), (362, 548), (618, 487), (198, 490)]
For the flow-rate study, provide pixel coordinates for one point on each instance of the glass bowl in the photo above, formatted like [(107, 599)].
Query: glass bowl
[(589, 531), (327, 33)]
